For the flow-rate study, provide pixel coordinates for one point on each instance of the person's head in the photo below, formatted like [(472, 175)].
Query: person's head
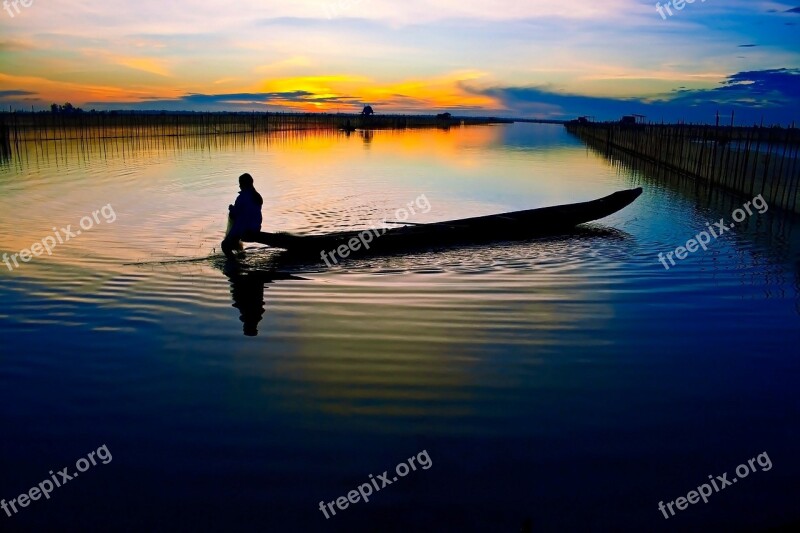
[(246, 181)]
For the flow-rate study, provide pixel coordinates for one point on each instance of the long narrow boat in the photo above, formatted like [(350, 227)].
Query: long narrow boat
[(503, 227)]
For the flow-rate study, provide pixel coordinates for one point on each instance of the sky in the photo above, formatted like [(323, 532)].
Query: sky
[(548, 59)]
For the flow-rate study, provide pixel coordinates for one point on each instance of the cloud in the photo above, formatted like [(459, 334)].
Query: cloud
[(6, 94), (395, 55), (227, 102), (145, 64), (783, 83), (14, 46), (773, 94)]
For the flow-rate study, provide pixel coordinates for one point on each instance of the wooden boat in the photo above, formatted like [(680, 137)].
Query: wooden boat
[(503, 227)]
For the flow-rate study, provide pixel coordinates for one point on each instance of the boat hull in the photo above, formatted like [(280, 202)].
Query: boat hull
[(491, 228)]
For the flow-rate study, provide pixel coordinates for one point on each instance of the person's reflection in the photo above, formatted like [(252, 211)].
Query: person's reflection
[(247, 290)]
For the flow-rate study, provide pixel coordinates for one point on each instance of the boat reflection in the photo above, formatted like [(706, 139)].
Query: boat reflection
[(263, 266)]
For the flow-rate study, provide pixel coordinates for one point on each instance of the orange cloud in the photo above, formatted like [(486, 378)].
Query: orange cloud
[(146, 64), (438, 93)]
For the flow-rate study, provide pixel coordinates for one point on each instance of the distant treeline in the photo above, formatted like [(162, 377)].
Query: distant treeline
[(67, 122)]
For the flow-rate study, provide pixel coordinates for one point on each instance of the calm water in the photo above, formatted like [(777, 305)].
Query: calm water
[(572, 382)]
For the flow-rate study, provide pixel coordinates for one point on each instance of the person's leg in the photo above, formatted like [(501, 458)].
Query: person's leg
[(231, 245), (249, 236)]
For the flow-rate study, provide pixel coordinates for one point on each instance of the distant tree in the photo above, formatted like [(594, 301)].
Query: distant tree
[(444, 116), (368, 111), (67, 109)]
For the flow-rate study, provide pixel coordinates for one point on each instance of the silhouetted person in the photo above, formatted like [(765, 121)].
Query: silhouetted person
[(244, 217)]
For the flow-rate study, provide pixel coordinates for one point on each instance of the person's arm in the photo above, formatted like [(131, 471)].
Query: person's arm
[(236, 207)]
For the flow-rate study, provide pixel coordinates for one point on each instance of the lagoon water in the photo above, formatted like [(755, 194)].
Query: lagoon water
[(568, 383)]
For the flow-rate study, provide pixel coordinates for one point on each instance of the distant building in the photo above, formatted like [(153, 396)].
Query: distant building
[(632, 119)]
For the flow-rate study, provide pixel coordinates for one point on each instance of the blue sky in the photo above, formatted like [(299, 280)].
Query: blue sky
[(540, 59)]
